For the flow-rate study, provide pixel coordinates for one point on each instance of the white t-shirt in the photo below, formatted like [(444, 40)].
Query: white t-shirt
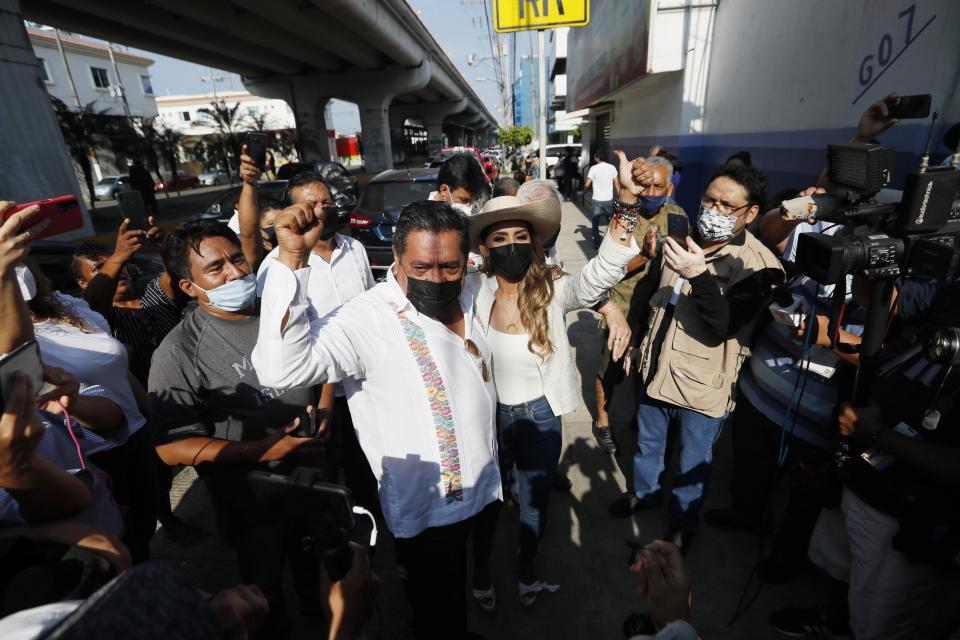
[(94, 357), (602, 176)]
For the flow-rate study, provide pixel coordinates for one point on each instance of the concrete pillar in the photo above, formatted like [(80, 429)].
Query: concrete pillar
[(433, 114), (308, 101), (372, 91), (36, 162), (375, 124)]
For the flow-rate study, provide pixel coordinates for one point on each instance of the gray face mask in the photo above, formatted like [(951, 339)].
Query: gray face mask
[(714, 226)]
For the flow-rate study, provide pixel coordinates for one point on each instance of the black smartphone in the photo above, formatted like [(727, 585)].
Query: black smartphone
[(257, 149), (678, 228), (25, 358), (909, 107), (132, 207), (326, 510)]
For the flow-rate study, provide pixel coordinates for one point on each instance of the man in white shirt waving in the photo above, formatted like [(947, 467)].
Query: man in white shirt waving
[(424, 402), (601, 178)]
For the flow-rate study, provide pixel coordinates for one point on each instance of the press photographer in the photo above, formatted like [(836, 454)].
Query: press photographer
[(896, 537)]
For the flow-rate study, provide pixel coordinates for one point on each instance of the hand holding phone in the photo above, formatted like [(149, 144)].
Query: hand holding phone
[(59, 215), (133, 209), (908, 107), (20, 429), (257, 149), (678, 228), (24, 360)]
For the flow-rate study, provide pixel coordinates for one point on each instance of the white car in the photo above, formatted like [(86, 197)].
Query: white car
[(554, 151)]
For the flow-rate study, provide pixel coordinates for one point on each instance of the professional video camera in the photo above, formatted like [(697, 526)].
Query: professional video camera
[(920, 235), (327, 511)]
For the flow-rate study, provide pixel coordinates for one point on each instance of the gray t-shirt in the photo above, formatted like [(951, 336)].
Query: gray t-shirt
[(202, 383)]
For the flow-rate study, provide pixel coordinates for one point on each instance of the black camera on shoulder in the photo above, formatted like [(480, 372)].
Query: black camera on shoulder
[(920, 235)]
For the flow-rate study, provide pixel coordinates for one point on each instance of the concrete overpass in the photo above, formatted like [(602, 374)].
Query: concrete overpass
[(376, 53)]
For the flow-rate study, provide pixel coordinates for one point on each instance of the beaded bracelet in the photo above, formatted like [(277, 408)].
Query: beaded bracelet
[(627, 215)]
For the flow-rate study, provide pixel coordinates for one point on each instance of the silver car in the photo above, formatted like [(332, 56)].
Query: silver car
[(109, 187), (214, 178)]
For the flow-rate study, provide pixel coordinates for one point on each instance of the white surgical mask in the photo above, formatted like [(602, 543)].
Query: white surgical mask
[(235, 295), (714, 226), (28, 285), (465, 209)]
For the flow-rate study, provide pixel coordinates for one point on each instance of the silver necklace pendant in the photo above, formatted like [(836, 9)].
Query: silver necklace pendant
[(512, 328)]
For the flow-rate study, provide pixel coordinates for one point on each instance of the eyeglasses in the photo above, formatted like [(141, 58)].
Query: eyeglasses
[(474, 351), (722, 207)]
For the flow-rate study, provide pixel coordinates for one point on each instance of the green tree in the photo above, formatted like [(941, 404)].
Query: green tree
[(81, 133), (227, 121), (150, 146), (168, 146), (515, 137)]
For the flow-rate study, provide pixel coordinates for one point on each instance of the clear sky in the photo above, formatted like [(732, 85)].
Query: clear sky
[(458, 25)]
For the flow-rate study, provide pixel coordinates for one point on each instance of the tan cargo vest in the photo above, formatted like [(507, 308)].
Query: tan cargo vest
[(694, 370)]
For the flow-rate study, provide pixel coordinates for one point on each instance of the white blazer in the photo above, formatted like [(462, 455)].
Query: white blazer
[(558, 370)]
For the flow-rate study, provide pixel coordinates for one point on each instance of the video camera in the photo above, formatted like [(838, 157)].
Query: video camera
[(920, 235)]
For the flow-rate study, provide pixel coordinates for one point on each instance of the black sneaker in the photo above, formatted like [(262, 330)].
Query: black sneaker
[(629, 504), (604, 436), (800, 623)]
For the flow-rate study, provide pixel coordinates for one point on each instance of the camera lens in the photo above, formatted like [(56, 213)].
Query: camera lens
[(943, 346)]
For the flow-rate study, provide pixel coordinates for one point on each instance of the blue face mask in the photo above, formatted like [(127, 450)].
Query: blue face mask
[(233, 296), (652, 204)]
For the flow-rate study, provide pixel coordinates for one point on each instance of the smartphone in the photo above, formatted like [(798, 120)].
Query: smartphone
[(325, 508), (25, 358), (909, 107), (63, 212), (257, 149), (132, 207), (678, 228)]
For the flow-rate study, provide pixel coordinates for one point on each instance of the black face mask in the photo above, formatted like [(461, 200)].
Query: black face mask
[(432, 298), (512, 260), (331, 222)]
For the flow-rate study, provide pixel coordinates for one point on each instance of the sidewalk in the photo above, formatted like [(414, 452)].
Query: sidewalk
[(583, 550)]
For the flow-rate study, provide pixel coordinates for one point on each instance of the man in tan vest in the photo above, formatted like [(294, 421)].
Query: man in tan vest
[(702, 315)]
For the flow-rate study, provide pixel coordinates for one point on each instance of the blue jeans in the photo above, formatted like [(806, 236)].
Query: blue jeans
[(530, 436), (601, 209), (698, 433)]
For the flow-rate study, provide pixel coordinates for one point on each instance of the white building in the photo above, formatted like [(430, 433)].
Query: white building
[(94, 76), (183, 114), (780, 79)]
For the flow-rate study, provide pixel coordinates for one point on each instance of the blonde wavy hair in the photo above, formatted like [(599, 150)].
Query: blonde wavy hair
[(536, 293)]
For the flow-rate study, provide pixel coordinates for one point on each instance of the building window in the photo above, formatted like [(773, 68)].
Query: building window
[(146, 85), (184, 116), (100, 78), (45, 71)]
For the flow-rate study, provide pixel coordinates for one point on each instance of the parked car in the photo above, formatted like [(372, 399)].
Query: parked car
[(183, 182), (553, 154), (333, 173), (109, 187), (54, 257), (214, 178), (375, 218)]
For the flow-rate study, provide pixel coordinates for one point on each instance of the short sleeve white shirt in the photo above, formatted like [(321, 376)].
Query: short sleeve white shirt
[(602, 176)]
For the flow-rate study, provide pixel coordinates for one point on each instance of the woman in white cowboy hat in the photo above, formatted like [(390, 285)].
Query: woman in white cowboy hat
[(521, 301)]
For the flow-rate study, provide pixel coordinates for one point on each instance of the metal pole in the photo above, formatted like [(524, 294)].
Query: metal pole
[(123, 91), (63, 56), (542, 104)]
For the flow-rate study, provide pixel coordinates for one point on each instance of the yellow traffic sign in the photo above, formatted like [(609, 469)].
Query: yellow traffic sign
[(522, 15)]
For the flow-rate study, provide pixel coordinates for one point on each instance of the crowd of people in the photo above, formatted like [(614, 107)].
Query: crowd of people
[(266, 347)]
